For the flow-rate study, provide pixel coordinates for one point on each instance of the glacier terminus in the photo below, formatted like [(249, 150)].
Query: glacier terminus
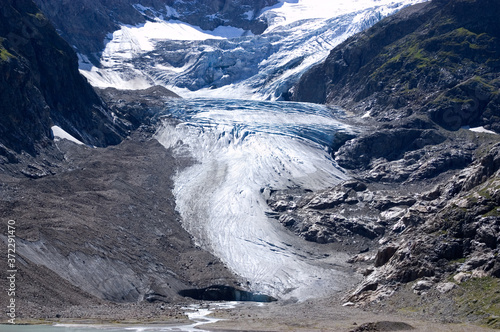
[(242, 150)]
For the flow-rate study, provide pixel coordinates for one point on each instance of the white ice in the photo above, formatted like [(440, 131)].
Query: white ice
[(241, 151), (289, 11), (482, 130), (60, 133), (250, 67), (132, 40)]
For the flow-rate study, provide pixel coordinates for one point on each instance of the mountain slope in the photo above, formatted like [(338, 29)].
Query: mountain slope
[(425, 200), (438, 58), (93, 226), (40, 86)]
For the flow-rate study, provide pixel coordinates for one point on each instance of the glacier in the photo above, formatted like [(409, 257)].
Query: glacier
[(241, 139), (229, 61), (241, 151)]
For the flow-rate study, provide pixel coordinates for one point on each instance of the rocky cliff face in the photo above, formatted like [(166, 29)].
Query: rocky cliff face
[(423, 210), (439, 59), (40, 86), (85, 24)]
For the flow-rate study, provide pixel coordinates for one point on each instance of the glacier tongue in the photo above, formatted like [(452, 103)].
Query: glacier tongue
[(242, 149), (195, 63)]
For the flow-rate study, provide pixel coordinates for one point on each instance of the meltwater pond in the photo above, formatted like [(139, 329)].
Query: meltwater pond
[(241, 151)]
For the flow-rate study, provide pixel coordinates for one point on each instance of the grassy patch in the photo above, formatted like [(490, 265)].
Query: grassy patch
[(495, 212), (480, 300), (4, 54), (458, 261)]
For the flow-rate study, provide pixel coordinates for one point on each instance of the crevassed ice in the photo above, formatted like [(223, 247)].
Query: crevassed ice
[(241, 150), (194, 62)]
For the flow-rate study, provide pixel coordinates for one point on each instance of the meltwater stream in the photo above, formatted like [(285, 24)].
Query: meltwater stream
[(241, 150)]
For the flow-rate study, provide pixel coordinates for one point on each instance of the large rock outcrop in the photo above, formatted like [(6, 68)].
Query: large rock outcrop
[(438, 58), (425, 213), (40, 86)]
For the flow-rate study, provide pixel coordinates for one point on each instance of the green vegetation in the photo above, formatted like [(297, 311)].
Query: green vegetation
[(485, 193), (495, 212), (480, 299), (490, 86), (452, 51), (39, 16), (457, 261), (4, 54), (464, 38)]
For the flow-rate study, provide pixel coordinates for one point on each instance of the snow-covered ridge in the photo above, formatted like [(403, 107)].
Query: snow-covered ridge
[(229, 61), (242, 150), (289, 11)]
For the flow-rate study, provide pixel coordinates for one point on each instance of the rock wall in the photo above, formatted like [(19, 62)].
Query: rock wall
[(437, 58), (426, 213), (40, 86)]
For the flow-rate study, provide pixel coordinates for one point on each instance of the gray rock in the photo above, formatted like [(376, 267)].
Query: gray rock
[(327, 200), (355, 185), (462, 277), (423, 285), (384, 255), (445, 287)]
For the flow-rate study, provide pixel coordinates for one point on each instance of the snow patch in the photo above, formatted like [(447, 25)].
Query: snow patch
[(131, 79), (481, 130), (60, 133), (145, 35), (366, 115)]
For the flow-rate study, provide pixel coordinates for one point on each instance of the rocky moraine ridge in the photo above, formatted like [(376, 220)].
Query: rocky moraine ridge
[(423, 208)]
